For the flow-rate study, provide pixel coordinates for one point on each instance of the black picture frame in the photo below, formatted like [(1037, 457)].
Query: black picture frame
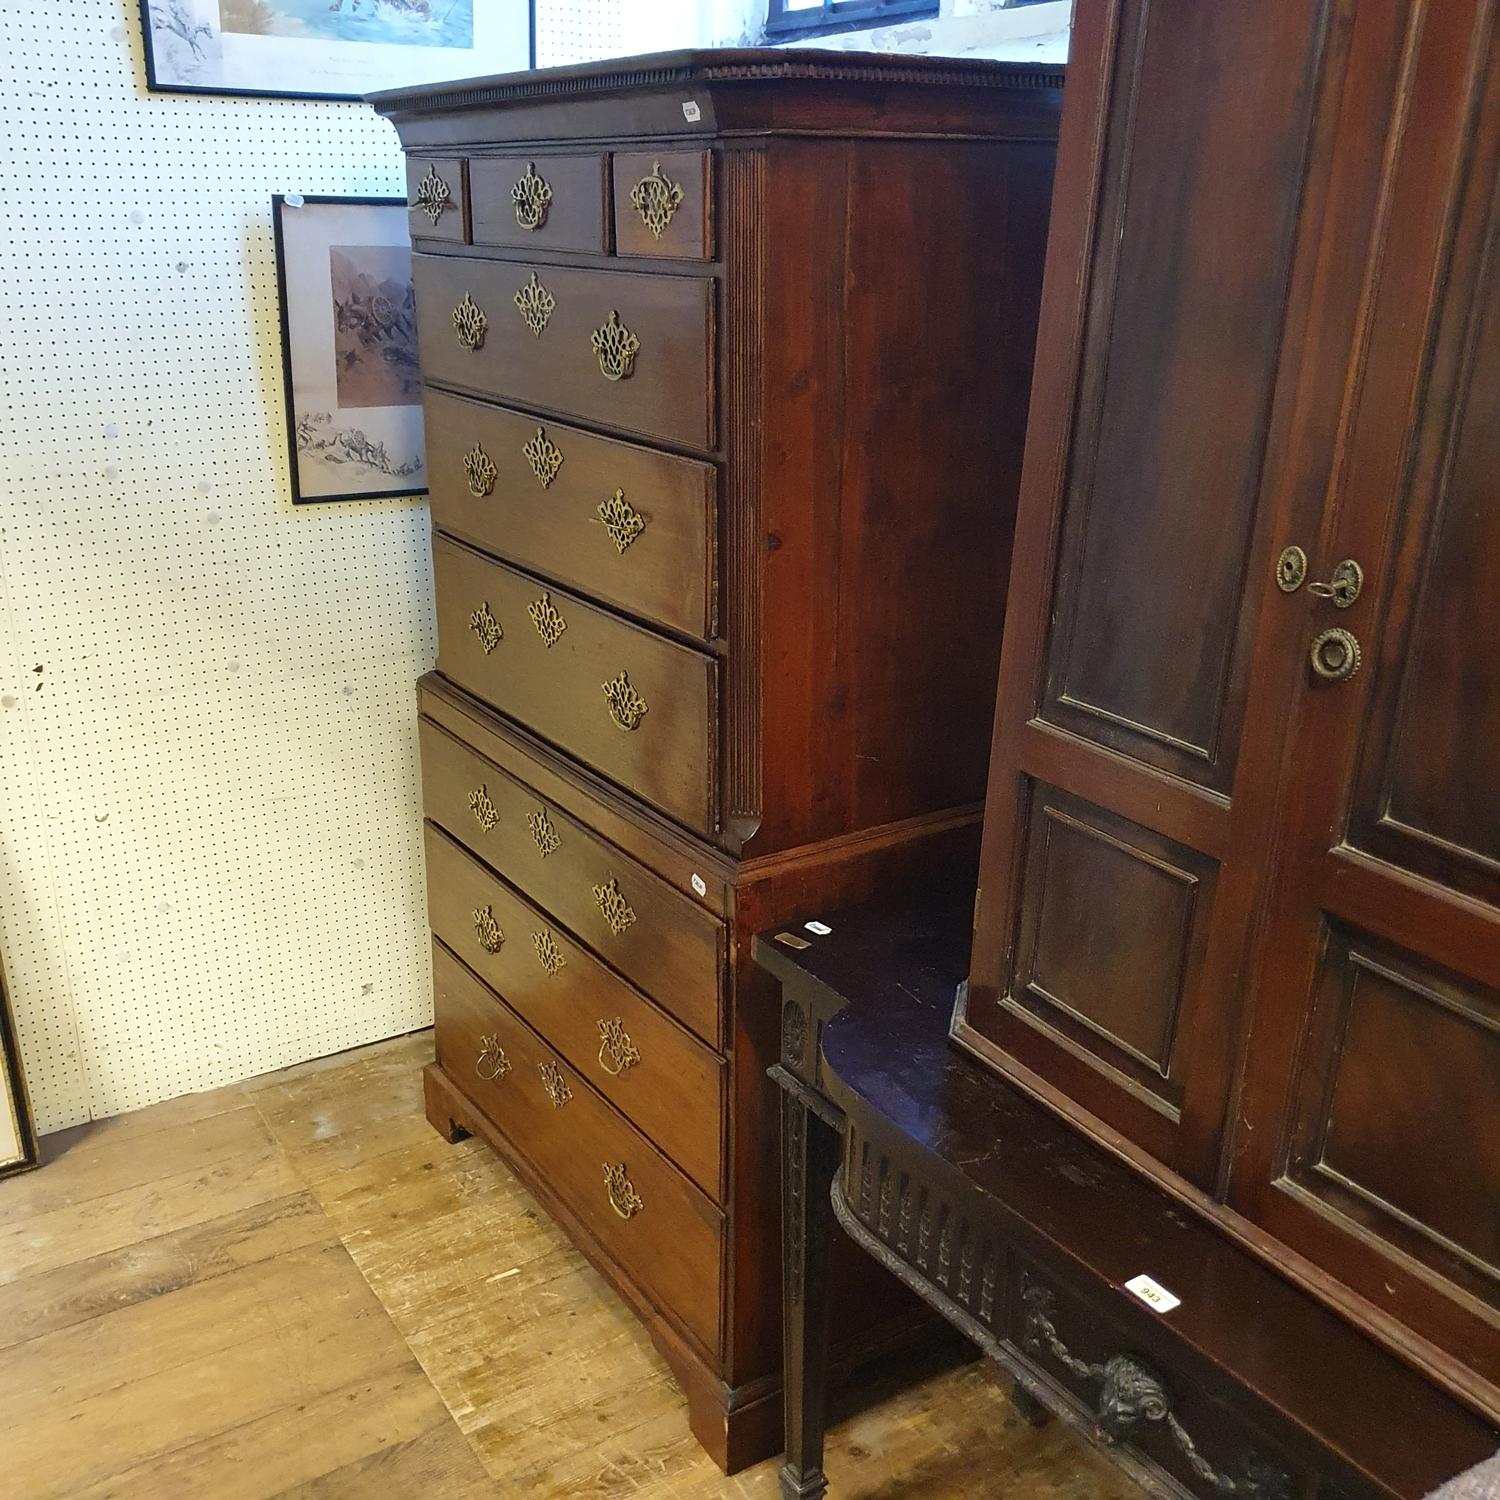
[(157, 85), (279, 204), (16, 1099)]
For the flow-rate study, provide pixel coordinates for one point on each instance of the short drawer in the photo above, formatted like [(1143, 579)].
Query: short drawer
[(658, 1228), (437, 198), (542, 202), (623, 350), (1161, 1415), (644, 927), (664, 204), (634, 705), (626, 524), (647, 1066)]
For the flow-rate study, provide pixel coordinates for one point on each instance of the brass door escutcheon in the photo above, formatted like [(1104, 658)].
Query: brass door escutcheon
[(531, 195), (623, 1197), (616, 1051), (433, 195), (554, 1083), (486, 627), (656, 198), (621, 519), (536, 304), (492, 1063), (1343, 588), (1291, 570), (543, 834), (486, 814), (547, 619), (548, 954), (469, 323), (1335, 655), (616, 910), (543, 456)]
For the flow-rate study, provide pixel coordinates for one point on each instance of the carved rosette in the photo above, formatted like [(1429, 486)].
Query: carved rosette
[(616, 1051), (531, 195), (616, 347), (621, 519), (486, 627), (536, 304), (434, 196), (487, 929), (554, 1083), (470, 323), (543, 834), (547, 619), (623, 1197), (548, 954), (616, 910), (626, 706), (480, 471), (486, 814), (543, 456), (656, 198)]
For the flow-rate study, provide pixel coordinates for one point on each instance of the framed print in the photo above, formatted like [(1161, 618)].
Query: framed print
[(18, 1150), (349, 348), (330, 49)]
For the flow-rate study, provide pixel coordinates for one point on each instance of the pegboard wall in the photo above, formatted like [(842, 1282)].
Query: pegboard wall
[(210, 861)]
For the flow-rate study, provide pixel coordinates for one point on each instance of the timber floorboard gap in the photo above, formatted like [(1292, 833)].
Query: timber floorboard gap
[(293, 1287)]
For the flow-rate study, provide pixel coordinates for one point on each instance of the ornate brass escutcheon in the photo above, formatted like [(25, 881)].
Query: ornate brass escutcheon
[(616, 910), (536, 304), (616, 347), (492, 1062), (485, 812), (621, 519), (531, 195), (544, 457), (1291, 569), (547, 619), (469, 323), (487, 929), (1343, 588), (656, 198), (623, 1197), (626, 706), (543, 834), (616, 1051), (1335, 655), (433, 195), (480, 471), (548, 954), (486, 627), (554, 1083)]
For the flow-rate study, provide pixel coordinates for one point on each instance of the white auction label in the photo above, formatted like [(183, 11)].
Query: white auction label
[(1153, 1294), (700, 885), (690, 111), (822, 929)]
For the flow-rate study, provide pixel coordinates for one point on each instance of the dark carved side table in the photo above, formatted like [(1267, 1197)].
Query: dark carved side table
[(1024, 1235)]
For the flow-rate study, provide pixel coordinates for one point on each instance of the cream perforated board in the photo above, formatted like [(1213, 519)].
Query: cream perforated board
[(210, 862)]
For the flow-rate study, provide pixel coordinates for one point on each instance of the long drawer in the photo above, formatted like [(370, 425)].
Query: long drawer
[(642, 925), (661, 1230), (624, 350), (626, 524), (632, 704), (652, 1070)]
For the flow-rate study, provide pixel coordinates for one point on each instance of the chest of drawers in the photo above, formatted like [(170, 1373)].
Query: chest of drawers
[(726, 361)]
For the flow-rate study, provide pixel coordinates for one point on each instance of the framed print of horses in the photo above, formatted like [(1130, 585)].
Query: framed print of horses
[(329, 49)]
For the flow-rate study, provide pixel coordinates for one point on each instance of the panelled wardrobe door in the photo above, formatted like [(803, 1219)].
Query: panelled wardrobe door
[(1109, 924), (1373, 1092)]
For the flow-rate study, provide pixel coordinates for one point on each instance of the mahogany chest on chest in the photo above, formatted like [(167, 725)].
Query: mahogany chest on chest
[(726, 359)]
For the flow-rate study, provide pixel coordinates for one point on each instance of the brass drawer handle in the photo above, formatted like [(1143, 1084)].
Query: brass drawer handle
[(616, 1051), (616, 910), (1335, 655), (543, 456), (434, 196), (547, 619), (656, 198), (623, 1197), (531, 195), (548, 954), (543, 834), (554, 1083), (470, 323), (626, 706), (492, 1063), (487, 929), (616, 347), (1132, 1397), (480, 471), (536, 304), (486, 814), (621, 519), (486, 627)]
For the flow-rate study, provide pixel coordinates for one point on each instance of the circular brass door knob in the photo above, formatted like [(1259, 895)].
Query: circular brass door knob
[(1335, 655)]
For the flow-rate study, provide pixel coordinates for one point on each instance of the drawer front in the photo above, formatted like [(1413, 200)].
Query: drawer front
[(623, 350), (1204, 1446), (657, 1226), (664, 204), (655, 935), (437, 198), (542, 202), (665, 1080), (632, 704), (628, 525)]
